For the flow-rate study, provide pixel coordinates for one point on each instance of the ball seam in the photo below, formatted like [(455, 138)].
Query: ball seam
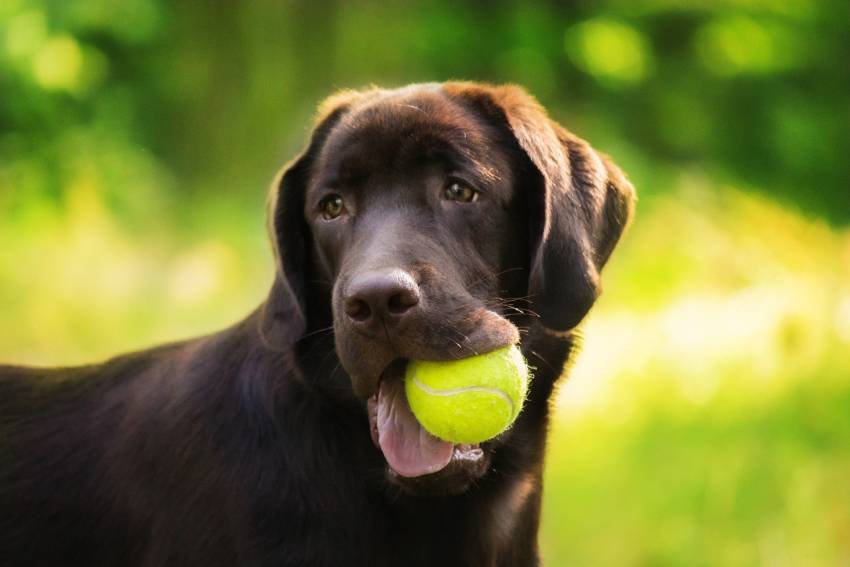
[(463, 390)]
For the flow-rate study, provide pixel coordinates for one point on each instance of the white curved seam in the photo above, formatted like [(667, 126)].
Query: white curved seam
[(463, 390)]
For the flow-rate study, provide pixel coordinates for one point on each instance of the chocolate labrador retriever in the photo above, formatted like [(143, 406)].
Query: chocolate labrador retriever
[(436, 222)]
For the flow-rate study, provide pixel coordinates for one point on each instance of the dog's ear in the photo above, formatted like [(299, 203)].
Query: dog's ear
[(584, 203), (283, 317)]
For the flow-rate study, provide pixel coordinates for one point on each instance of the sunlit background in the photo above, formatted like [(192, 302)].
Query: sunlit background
[(707, 421)]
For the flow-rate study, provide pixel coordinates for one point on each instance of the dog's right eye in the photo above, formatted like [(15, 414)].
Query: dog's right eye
[(331, 206), (459, 192)]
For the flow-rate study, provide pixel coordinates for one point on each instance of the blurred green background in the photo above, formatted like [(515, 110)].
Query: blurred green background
[(707, 421)]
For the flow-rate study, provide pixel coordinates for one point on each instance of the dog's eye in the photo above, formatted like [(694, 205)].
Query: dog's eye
[(331, 206), (455, 191)]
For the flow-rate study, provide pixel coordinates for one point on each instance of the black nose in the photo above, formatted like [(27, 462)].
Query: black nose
[(386, 295)]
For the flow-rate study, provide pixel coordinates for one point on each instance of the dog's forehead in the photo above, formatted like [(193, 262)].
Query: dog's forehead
[(402, 127)]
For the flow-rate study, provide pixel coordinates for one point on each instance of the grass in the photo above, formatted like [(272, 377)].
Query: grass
[(738, 479)]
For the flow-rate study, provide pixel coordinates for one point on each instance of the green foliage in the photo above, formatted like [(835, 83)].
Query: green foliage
[(706, 420), (143, 93)]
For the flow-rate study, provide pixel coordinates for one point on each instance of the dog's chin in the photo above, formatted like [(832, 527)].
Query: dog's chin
[(468, 464), (416, 461)]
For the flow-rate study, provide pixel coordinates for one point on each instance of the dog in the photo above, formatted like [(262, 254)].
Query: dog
[(436, 222)]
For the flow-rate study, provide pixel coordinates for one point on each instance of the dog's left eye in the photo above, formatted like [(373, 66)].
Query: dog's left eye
[(331, 206), (459, 192)]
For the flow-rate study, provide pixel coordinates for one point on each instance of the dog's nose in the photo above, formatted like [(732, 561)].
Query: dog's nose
[(386, 295)]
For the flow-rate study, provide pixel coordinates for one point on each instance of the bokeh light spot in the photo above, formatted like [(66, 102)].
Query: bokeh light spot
[(736, 44), (609, 50), (58, 64)]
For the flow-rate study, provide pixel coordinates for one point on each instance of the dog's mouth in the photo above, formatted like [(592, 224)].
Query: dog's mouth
[(410, 451)]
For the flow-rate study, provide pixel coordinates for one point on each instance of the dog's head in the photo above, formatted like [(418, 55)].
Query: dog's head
[(434, 222)]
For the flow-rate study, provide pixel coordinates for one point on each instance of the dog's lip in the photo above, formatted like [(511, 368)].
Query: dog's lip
[(368, 360)]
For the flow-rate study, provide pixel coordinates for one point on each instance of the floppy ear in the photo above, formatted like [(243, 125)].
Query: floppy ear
[(585, 203), (283, 317)]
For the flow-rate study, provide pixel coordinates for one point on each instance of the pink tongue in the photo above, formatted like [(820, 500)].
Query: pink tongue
[(408, 448)]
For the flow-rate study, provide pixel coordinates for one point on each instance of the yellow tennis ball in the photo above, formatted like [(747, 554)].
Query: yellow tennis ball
[(468, 400)]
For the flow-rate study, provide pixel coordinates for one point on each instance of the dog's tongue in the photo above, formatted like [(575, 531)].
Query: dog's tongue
[(408, 448)]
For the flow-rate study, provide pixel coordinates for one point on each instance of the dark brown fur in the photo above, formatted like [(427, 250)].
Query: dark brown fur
[(251, 446)]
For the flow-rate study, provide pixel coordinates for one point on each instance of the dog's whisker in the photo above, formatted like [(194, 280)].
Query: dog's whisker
[(317, 332), (543, 360)]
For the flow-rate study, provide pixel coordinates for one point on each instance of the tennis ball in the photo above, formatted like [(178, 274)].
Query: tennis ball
[(468, 400)]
